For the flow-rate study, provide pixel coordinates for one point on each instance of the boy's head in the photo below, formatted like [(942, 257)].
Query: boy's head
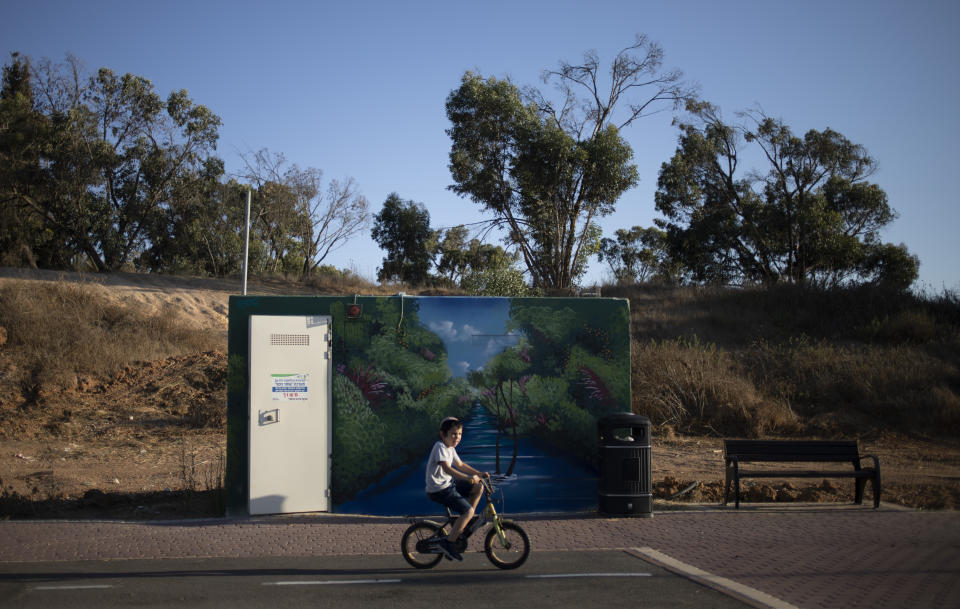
[(450, 424)]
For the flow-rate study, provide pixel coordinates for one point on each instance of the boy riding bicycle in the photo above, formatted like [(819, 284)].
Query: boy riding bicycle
[(448, 479)]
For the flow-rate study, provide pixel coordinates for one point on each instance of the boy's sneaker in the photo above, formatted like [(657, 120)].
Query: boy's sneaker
[(449, 550), (439, 546)]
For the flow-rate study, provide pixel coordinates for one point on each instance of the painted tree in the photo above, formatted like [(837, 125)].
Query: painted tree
[(498, 380)]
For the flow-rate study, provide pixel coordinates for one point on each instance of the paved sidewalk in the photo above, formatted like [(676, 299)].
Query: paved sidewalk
[(808, 557)]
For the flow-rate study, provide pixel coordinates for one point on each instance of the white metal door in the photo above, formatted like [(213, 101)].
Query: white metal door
[(290, 414)]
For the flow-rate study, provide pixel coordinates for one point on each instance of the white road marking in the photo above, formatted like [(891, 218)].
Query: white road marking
[(721, 584), (330, 582), (561, 575), (90, 587)]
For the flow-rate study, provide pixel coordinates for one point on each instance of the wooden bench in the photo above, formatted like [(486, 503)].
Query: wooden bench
[(738, 452)]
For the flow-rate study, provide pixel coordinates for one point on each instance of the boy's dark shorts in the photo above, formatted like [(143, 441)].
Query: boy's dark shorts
[(452, 496)]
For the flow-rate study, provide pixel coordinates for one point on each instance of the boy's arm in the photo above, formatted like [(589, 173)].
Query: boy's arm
[(470, 469), (463, 471)]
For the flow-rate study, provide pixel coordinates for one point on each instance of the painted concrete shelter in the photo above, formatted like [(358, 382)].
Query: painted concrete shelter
[(530, 377)]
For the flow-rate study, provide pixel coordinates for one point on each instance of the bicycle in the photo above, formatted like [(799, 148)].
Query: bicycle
[(506, 544)]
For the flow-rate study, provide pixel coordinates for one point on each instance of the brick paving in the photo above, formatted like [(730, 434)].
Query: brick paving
[(810, 557)]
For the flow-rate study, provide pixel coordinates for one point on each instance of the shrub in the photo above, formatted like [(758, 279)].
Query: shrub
[(497, 281), (699, 388)]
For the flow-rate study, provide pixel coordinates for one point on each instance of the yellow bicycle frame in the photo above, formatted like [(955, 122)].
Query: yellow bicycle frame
[(491, 513)]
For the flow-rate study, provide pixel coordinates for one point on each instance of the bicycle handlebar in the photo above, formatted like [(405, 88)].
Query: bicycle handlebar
[(488, 486)]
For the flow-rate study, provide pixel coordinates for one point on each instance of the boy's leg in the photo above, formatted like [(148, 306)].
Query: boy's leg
[(475, 492), (454, 501)]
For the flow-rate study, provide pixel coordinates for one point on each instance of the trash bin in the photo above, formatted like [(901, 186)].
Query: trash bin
[(625, 485)]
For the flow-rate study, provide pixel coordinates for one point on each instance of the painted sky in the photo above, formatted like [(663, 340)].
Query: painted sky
[(358, 88), (472, 329)]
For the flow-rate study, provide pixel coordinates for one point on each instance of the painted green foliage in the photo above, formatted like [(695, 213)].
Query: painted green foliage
[(570, 368), (390, 388)]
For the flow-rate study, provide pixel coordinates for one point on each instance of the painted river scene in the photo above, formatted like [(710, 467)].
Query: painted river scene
[(528, 377), (542, 478)]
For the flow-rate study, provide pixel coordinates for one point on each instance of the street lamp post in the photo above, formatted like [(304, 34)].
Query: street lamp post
[(246, 241)]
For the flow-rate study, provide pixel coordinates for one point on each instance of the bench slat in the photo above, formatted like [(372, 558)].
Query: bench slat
[(786, 473), (792, 450)]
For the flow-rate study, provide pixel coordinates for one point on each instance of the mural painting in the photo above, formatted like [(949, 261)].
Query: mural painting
[(530, 378)]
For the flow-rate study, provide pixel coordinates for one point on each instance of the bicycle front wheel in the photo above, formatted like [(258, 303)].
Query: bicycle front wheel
[(415, 533), (511, 554)]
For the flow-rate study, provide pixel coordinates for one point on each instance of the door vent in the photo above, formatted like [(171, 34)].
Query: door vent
[(290, 340)]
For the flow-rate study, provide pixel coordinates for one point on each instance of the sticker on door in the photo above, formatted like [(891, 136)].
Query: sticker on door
[(289, 387)]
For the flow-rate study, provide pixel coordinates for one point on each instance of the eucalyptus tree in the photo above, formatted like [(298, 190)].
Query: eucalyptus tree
[(638, 254), (336, 215), (811, 216), (106, 155), (202, 230), (457, 257), (548, 170), (402, 230), (22, 238), (450, 254), (299, 220)]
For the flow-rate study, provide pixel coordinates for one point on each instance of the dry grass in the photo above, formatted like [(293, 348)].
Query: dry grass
[(57, 331), (701, 388), (330, 281), (900, 386), (782, 361)]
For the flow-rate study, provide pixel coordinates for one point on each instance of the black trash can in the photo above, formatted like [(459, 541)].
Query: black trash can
[(625, 486)]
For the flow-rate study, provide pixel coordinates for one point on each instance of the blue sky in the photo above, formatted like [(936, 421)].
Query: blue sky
[(358, 88)]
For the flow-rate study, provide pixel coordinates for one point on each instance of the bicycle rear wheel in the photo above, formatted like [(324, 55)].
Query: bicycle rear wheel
[(415, 533), (512, 554)]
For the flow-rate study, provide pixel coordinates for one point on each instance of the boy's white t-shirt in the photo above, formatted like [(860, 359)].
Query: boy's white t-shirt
[(437, 479)]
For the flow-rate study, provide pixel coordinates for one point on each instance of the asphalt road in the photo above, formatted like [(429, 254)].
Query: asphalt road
[(580, 579)]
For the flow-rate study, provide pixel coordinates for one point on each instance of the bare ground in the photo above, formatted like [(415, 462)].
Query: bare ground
[(143, 444)]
